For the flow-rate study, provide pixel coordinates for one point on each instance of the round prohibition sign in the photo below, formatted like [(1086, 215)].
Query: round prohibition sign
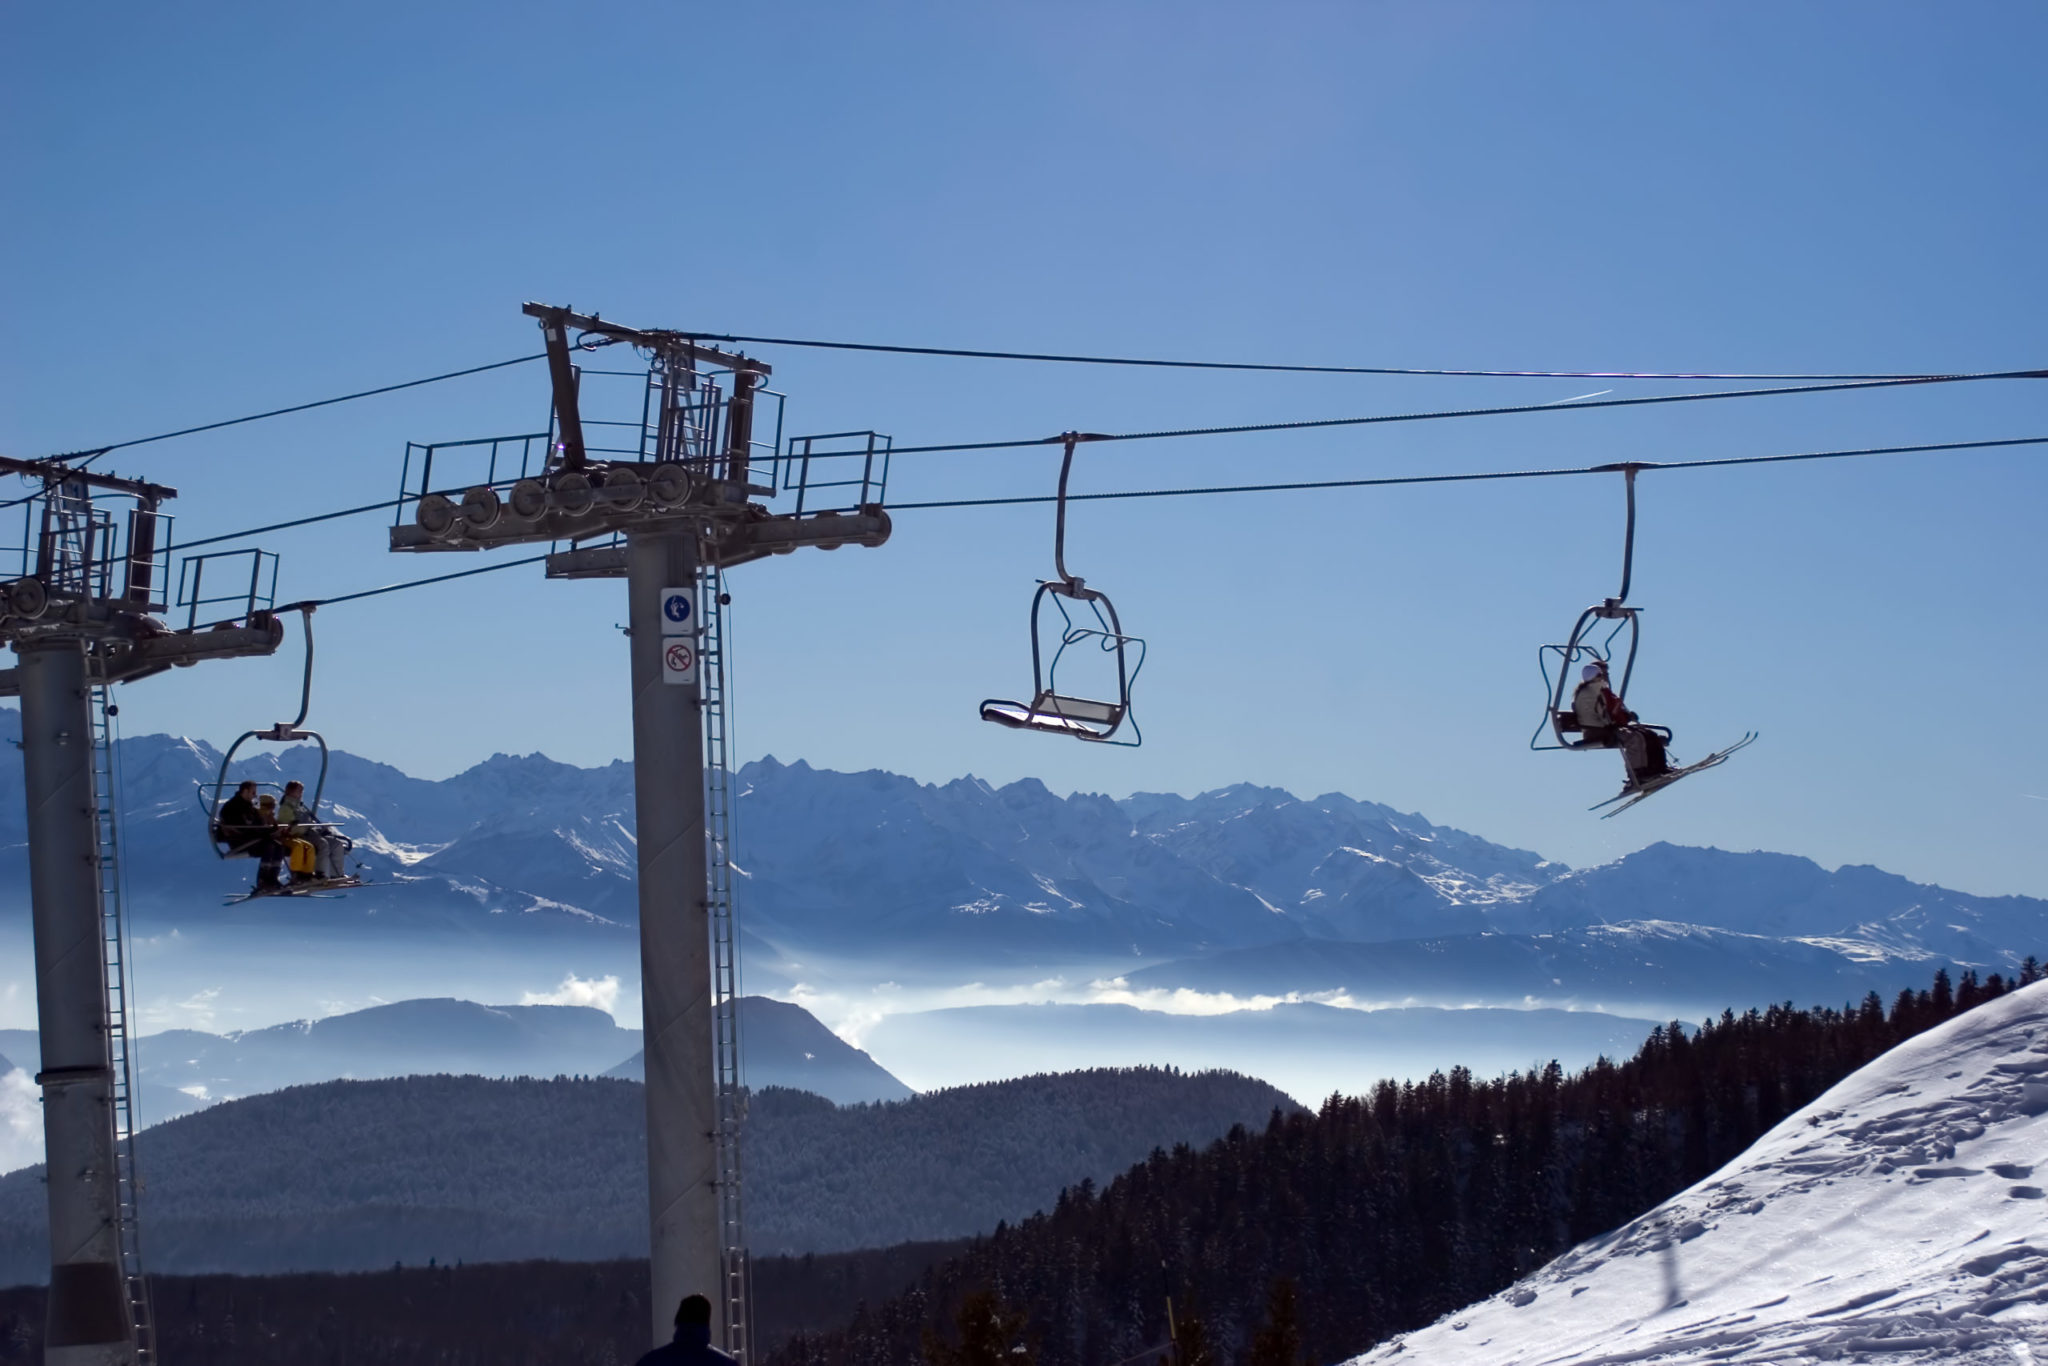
[(680, 657)]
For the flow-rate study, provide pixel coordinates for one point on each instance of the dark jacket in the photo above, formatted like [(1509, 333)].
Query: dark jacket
[(240, 820), (692, 1347)]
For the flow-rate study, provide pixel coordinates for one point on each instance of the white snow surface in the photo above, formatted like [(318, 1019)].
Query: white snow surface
[(1899, 1218)]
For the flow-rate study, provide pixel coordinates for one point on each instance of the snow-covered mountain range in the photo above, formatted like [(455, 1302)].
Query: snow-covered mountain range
[(1247, 890), (1898, 1218)]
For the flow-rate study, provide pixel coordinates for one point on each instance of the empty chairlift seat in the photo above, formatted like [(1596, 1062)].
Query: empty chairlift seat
[(1056, 715)]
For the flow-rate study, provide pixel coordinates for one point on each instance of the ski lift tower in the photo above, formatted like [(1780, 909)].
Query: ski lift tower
[(665, 495), (81, 617)]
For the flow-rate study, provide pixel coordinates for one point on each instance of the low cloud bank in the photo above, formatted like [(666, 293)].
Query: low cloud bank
[(21, 1122), (601, 992)]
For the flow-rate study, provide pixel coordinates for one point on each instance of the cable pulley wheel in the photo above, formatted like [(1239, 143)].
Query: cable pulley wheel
[(529, 499), (435, 514), (623, 489), (573, 493), (670, 485), (481, 507), (27, 598)]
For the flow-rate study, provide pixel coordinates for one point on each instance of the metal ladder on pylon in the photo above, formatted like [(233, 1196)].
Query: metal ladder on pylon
[(120, 1042), (719, 830)]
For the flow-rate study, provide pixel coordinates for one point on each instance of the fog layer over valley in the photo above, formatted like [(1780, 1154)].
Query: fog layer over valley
[(968, 932), (184, 1070)]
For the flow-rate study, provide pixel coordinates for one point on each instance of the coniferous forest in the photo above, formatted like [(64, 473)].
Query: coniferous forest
[(1381, 1213), (356, 1175), (1310, 1240)]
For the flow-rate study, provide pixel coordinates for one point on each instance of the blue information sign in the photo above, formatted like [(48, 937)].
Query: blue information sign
[(677, 607)]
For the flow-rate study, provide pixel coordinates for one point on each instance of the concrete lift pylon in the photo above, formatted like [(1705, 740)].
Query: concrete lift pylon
[(80, 619), (668, 518)]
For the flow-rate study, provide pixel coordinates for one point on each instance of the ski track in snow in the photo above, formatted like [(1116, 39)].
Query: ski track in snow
[(1899, 1218)]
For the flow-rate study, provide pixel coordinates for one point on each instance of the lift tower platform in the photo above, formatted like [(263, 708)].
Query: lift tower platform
[(667, 493), (81, 616)]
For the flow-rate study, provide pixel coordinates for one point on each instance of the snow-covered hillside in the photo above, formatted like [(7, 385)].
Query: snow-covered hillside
[(1898, 1218)]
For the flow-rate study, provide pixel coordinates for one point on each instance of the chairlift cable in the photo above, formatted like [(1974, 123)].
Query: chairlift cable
[(397, 587), (357, 511), (1394, 370), (1832, 384), (1391, 480), (1237, 488), (1303, 485), (421, 583), (1380, 418), (1028, 442), (87, 456)]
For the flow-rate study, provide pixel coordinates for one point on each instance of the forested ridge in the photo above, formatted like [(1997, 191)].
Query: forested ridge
[(357, 1175), (540, 1313), (1385, 1211), (1378, 1214), (958, 1161)]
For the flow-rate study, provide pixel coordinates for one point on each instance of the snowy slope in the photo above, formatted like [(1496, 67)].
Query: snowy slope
[(1899, 1218)]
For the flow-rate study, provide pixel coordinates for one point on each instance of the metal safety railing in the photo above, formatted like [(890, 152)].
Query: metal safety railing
[(719, 835), (493, 460), (667, 413), (837, 471), (79, 547), (236, 582), (120, 1036)]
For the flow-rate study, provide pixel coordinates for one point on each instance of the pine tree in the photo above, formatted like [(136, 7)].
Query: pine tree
[(1191, 1340), (1278, 1342), (991, 1334), (1390, 1208)]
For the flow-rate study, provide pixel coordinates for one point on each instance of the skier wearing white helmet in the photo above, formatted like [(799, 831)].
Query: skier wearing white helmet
[(1605, 722), (1595, 707)]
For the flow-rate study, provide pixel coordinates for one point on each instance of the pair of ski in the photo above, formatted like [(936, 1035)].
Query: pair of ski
[(1629, 796), (322, 888)]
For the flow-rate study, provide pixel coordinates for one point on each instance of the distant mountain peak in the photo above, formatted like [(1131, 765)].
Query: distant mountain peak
[(876, 867)]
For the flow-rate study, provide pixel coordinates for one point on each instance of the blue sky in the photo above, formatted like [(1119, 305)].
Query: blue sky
[(218, 210)]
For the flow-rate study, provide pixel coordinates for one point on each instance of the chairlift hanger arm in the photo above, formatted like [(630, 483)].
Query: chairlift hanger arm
[(290, 730), (1628, 544), (1628, 471), (661, 339), (285, 732), (1059, 534)]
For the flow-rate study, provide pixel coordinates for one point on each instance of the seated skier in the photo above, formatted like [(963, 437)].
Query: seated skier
[(1598, 711), (242, 826), (329, 847), (1644, 753), (1606, 723)]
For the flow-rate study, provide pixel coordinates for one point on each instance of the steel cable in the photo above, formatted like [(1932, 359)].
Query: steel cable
[(1394, 370), (87, 456), (1391, 480), (1438, 414)]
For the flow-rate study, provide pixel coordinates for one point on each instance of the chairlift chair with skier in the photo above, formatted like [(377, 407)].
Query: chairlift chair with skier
[(313, 849), (1593, 712)]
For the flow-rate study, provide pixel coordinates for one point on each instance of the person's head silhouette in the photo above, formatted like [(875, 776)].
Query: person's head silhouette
[(695, 1310)]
